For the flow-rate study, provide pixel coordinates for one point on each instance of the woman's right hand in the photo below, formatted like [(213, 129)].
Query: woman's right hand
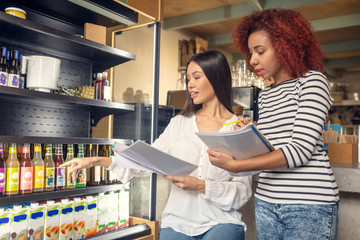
[(243, 121), (76, 164)]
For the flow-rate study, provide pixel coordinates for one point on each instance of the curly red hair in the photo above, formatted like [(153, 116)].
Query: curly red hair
[(291, 35)]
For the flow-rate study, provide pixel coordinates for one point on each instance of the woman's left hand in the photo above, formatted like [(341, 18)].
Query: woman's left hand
[(221, 160), (188, 183)]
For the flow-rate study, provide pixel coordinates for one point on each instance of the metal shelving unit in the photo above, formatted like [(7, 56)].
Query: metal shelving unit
[(30, 35), (17, 199), (129, 233), (32, 116)]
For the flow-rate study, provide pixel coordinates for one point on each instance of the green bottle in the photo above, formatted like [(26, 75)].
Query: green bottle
[(81, 178)]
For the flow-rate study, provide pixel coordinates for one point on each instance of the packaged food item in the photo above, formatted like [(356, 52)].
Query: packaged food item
[(52, 219), (36, 221), (91, 217), (102, 213), (19, 223), (66, 219), (124, 208), (18, 12), (5, 217), (113, 212), (79, 218)]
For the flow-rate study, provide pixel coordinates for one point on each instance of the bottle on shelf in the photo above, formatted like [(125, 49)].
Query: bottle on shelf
[(59, 172), (12, 172), (95, 171), (14, 75), (98, 85), (81, 178), (106, 87), (113, 177), (20, 150), (88, 153), (22, 72), (39, 169), (2, 172), (26, 171), (3, 68), (104, 176), (49, 169), (70, 183), (5, 150)]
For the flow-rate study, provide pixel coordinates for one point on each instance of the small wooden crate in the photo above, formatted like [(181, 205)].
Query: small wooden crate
[(343, 153)]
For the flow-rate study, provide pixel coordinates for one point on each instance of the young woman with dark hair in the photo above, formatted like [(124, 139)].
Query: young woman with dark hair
[(203, 205), (297, 196)]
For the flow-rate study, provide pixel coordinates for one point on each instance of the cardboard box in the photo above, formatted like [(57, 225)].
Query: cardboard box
[(343, 153)]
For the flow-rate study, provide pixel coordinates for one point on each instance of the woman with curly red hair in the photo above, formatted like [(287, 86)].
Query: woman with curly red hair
[(297, 196)]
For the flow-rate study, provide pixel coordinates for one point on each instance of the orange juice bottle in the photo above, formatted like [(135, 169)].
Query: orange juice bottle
[(39, 168), (12, 172), (26, 171)]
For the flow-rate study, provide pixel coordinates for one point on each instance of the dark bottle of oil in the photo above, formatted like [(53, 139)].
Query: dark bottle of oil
[(95, 170)]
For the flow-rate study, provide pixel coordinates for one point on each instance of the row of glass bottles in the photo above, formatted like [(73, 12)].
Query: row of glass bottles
[(239, 74), (21, 173), (243, 77)]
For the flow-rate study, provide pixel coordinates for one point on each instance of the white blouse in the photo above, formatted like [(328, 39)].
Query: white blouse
[(192, 212)]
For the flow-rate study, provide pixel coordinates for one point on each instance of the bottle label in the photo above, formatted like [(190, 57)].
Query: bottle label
[(106, 93), (60, 177), (12, 179), (81, 179), (13, 80), (97, 173), (26, 181), (39, 177), (70, 181), (3, 78), (21, 82), (2, 180), (49, 178), (37, 149)]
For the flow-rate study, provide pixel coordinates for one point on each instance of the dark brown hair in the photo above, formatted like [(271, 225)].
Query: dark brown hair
[(217, 70)]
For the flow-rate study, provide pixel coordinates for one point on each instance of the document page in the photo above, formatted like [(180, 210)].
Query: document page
[(243, 143), (143, 156)]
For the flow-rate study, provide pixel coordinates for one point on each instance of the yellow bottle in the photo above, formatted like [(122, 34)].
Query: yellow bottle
[(12, 172)]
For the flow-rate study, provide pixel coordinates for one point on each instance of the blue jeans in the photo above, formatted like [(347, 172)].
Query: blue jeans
[(295, 221), (217, 232)]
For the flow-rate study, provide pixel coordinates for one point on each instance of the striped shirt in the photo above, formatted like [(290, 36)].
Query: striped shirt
[(291, 117)]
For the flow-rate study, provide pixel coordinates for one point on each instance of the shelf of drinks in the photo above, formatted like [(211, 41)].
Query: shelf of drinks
[(37, 37), (57, 100), (88, 190), (62, 140), (131, 232)]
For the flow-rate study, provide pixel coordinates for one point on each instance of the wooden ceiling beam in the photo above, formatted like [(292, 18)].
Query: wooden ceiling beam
[(232, 12), (324, 24)]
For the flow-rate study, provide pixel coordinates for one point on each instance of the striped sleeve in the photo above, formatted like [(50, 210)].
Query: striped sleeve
[(314, 103)]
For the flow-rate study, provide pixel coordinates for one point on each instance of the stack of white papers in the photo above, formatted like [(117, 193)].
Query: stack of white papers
[(243, 143), (143, 156)]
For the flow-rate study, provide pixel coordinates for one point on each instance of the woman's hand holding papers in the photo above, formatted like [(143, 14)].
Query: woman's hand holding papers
[(188, 183)]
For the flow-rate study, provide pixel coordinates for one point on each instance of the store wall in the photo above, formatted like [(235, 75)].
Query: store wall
[(138, 74)]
